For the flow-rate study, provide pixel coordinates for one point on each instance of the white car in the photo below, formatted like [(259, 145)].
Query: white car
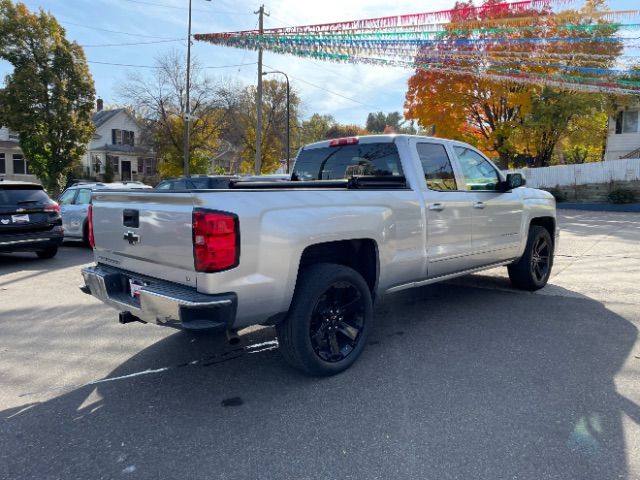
[(74, 204)]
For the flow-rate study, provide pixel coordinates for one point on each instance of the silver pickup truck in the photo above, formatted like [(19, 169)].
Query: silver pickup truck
[(361, 217)]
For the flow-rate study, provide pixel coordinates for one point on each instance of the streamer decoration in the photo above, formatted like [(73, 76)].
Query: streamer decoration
[(528, 41)]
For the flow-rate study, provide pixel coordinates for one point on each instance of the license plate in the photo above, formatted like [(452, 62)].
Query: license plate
[(23, 218), (134, 287)]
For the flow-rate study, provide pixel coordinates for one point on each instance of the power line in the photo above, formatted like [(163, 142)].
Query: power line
[(114, 31), (175, 7), (331, 92), (158, 67), (133, 43)]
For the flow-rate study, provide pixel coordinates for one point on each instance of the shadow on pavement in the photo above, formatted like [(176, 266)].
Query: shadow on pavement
[(455, 383), (68, 256)]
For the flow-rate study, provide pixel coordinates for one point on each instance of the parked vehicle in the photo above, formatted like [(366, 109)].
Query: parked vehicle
[(75, 201), (202, 182), (29, 220), (368, 216)]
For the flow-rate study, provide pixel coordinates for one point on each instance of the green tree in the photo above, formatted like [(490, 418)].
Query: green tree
[(240, 123), (48, 98), (315, 129)]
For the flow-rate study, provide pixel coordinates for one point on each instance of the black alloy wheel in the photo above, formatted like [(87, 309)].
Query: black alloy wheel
[(327, 324), (337, 321), (531, 272), (540, 258)]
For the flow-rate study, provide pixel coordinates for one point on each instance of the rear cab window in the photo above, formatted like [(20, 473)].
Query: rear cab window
[(345, 161)]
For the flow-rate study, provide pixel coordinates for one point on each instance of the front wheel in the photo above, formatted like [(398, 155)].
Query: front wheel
[(327, 325), (49, 252), (533, 269)]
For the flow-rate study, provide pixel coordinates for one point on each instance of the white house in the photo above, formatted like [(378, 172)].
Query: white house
[(119, 142), (623, 139), (13, 165)]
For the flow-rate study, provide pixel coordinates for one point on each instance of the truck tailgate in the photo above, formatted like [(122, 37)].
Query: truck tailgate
[(149, 233)]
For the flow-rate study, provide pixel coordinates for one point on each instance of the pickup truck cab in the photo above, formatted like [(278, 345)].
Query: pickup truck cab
[(361, 217)]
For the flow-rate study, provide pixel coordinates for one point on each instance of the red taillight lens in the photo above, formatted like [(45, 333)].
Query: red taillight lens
[(336, 142), (216, 244), (53, 207), (92, 241)]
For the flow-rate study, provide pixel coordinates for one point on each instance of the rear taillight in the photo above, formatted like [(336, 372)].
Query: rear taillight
[(92, 242), (53, 207), (216, 240)]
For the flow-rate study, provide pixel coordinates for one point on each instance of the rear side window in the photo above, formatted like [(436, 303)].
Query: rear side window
[(22, 196), (438, 171), (165, 186), (335, 163)]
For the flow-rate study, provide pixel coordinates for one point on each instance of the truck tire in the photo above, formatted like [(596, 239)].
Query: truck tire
[(327, 325), (49, 252), (532, 271)]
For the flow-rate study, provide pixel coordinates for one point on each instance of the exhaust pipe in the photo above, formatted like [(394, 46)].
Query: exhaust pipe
[(232, 337), (128, 317)]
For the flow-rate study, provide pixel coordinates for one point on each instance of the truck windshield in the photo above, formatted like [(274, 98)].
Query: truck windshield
[(335, 163)]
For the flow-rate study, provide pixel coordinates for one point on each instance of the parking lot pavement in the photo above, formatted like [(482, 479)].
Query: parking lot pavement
[(464, 380)]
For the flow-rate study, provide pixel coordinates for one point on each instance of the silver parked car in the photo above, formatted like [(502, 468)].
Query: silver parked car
[(74, 204)]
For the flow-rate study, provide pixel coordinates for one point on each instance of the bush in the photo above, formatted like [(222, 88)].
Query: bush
[(621, 195), (557, 194)]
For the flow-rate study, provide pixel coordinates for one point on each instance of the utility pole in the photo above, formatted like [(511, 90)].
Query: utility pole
[(187, 114), (261, 14), (188, 108)]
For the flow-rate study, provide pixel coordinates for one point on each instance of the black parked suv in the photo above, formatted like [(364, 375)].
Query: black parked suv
[(29, 220)]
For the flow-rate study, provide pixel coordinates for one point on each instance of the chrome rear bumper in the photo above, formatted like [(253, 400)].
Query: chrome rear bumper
[(160, 302)]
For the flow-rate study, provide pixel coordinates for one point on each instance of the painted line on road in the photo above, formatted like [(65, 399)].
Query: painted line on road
[(205, 362)]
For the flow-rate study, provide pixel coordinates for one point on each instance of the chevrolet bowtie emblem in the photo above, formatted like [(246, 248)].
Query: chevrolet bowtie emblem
[(131, 237)]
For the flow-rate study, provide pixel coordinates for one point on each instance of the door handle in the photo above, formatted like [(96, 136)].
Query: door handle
[(479, 205), (436, 207)]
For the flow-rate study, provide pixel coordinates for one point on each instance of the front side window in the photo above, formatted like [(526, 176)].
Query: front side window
[(478, 173), (340, 162), (438, 171), (67, 197), (84, 197)]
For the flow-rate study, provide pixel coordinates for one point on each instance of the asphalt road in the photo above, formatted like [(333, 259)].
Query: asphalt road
[(464, 380)]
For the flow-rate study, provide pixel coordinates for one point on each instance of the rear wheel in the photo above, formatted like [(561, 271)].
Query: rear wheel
[(327, 325), (533, 269), (49, 252)]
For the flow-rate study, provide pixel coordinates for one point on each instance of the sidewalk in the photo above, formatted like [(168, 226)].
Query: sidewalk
[(600, 207)]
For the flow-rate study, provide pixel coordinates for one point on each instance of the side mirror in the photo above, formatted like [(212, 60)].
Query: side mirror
[(514, 180)]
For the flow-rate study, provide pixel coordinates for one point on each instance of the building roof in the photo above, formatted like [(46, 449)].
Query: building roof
[(103, 116), (9, 144)]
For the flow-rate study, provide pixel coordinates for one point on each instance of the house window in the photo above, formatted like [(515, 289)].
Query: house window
[(122, 137), (627, 122), (148, 166), (14, 136), (3, 167), (20, 164)]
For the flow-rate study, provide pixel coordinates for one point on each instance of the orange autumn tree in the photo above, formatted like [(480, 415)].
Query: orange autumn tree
[(506, 119), (468, 107)]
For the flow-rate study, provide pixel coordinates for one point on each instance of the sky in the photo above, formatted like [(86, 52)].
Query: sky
[(348, 92)]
